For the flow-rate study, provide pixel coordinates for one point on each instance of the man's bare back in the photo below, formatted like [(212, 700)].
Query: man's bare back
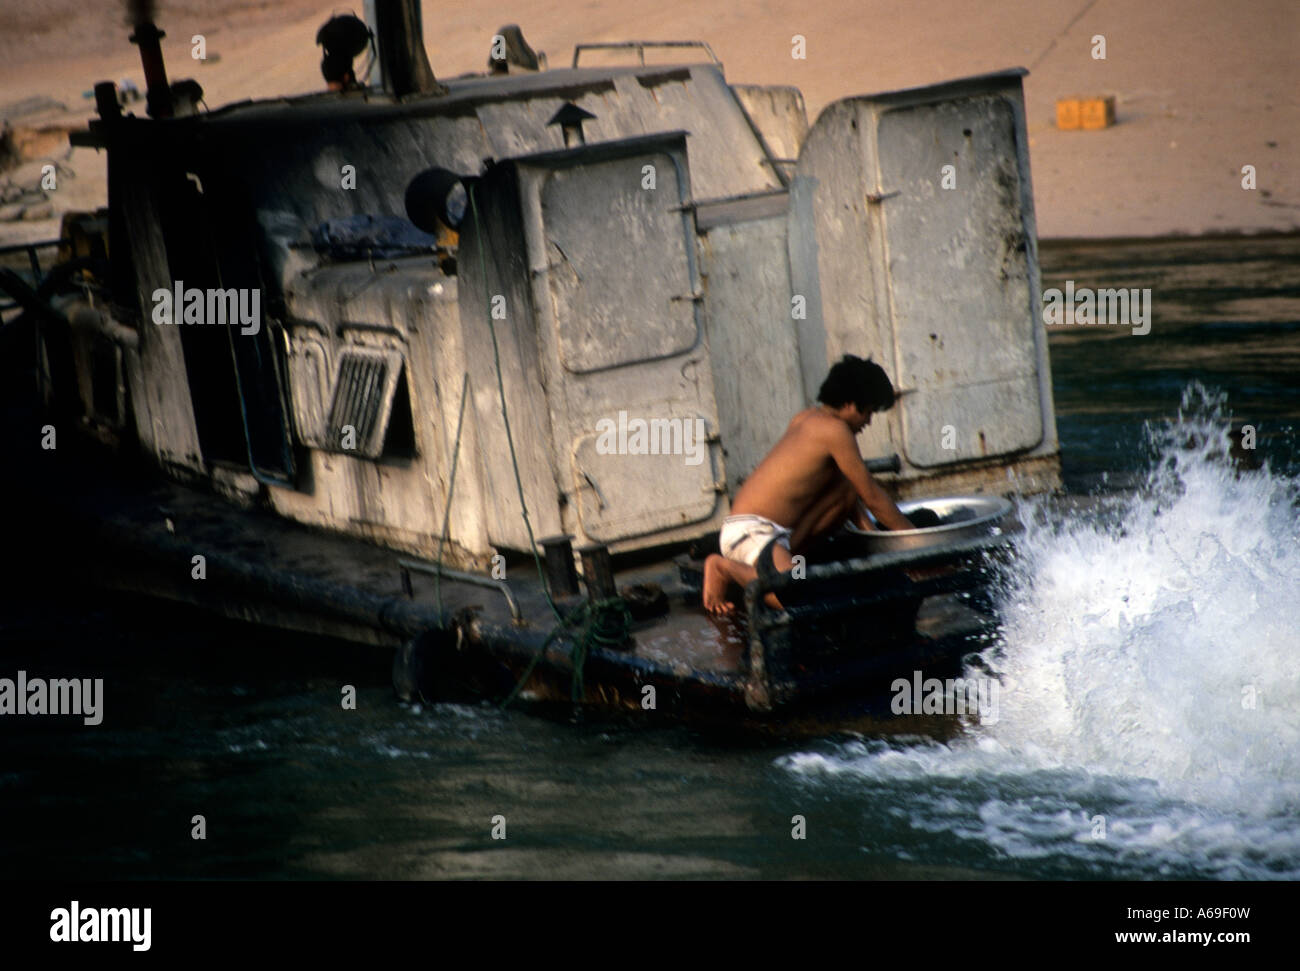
[(803, 465), (811, 483)]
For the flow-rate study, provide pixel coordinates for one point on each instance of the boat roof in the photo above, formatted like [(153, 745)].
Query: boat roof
[(463, 95)]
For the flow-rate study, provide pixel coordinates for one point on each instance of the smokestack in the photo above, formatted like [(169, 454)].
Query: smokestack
[(158, 95), (399, 36)]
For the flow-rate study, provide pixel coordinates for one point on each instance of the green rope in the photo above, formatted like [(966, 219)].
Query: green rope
[(608, 624), (602, 623), (451, 490)]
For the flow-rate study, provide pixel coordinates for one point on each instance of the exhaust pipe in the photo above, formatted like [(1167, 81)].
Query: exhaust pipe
[(399, 37), (158, 95)]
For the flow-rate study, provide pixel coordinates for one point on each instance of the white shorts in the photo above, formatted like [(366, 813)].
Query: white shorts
[(744, 537)]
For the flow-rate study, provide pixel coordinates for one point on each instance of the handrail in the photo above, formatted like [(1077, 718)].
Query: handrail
[(886, 463), (434, 569), (640, 46)]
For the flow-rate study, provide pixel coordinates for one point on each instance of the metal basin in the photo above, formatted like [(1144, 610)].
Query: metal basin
[(960, 517)]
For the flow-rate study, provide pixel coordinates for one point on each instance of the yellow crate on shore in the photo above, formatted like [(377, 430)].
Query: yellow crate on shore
[(1087, 113)]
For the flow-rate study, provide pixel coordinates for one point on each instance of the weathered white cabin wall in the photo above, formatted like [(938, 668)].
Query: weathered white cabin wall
[(832, 266), (597, 284), (396, 501), (297, 184), (295, 161), (616, 294), (959, 281), (727, 158), (940, 284), (494, 274), (752, 340), (648, 101)]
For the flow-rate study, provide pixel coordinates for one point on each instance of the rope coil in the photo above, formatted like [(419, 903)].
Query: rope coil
[(600, 623)]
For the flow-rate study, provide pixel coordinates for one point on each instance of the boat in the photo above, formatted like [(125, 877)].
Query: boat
[(412, 355)]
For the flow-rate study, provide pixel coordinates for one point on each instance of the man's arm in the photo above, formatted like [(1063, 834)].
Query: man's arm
[(844, 450)]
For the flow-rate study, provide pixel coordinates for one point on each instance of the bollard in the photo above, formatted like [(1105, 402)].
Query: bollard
[(561, 574), (598, 572)]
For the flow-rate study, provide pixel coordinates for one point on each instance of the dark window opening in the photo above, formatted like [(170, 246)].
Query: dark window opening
[(399, 442)]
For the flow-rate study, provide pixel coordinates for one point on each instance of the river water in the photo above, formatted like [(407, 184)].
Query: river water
[(1149, 664)]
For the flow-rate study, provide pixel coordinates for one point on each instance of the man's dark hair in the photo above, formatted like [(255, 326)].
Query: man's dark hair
[(864, 383)]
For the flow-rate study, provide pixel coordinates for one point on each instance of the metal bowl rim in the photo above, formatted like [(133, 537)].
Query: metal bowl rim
[(1000, 503)]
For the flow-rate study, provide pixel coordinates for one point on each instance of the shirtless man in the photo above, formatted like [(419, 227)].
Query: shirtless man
[(814, 480)]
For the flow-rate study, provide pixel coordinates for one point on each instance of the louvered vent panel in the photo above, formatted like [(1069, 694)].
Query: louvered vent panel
[(360, 400)]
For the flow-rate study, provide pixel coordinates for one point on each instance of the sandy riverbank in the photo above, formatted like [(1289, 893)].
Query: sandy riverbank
[(1203, 87)]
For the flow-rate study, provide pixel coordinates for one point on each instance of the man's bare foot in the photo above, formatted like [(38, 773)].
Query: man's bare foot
[(716, 580), (719, 574)]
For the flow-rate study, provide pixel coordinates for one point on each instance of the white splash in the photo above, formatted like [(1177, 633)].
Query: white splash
[(1150, 670)]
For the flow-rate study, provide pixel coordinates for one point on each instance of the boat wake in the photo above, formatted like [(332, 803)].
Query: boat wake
[(1150, 688)]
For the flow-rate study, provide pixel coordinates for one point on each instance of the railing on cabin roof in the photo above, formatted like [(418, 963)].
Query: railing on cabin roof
[(640, 45)]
